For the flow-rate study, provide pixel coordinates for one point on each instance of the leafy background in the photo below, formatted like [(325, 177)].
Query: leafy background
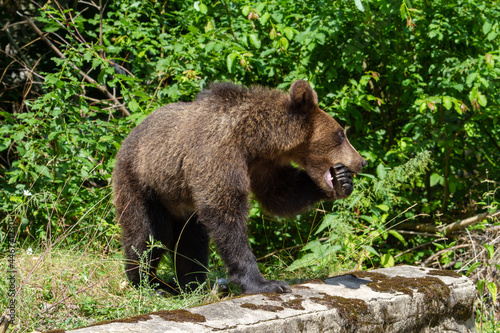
[(415, 84)]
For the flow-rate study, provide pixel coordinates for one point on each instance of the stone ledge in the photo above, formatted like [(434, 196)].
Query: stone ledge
[(396, 299)]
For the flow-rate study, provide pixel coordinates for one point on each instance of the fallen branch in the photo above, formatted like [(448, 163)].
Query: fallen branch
[(90, 80), (445, 229), (437, 254), (413, 233)]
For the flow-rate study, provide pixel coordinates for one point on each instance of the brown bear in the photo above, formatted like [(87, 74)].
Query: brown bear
[(185, 174)]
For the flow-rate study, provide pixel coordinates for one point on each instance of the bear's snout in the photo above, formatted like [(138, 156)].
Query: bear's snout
[(364, 163)]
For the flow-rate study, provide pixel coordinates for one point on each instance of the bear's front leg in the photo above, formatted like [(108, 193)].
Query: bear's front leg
[(229, 231)]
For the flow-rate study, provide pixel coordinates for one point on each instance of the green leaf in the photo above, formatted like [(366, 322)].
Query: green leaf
[(492, 287), (203, 8), (490, 61), (267, 52), (381, 171), (311, 245), (264, 18), (133, 105), (359, 5), (5, 144), (328, 221), (371, 250), (230, 61), (398, 236), (447, 102), (194, 30), (481, 99), (490, 249), (210, 46), (422, 107), (436, 179), (383, 207), (480, 286), (471, 78), (245, 10), (255, 41), (18, 136), (284, 43), (320, 37), (88, 56), (487, 27), (473, 267), (303, 36), (200, 6), (492, 35), (387, 260), (484, 82), (209, 26), (288, 32)]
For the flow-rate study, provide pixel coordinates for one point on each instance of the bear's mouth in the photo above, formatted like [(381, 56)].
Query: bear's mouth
[(329, 177)]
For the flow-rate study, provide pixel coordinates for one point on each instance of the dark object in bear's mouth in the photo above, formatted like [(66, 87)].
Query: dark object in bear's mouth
[(342, 179)]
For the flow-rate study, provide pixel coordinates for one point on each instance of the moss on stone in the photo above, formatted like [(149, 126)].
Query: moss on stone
[(180, 316), (367, 274), (134, 319), (463, 312), (273, 297), (436, 294), (431, 287), (295, 303), (438, 272), (349, 308), (266, 307), (298, 286)]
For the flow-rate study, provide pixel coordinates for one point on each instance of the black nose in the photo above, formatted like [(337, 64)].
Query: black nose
[(364, 163)]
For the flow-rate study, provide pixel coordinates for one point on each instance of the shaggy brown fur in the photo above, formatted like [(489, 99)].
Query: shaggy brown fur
[(186, 172)]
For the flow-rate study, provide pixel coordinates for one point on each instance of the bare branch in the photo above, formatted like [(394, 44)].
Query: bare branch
[(418, 247), (449, 227), (437, 254)]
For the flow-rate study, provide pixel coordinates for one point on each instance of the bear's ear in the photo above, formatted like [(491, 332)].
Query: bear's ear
[(302, 96)]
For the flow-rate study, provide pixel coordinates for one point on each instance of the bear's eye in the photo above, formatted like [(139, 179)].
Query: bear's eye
[(342, 135)]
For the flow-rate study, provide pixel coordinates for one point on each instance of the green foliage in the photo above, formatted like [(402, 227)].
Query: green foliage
[(427, 83), (412, 81), (359, 229), (405, 77)]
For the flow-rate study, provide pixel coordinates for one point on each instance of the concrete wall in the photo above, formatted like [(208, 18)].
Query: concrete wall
[(397, 299)]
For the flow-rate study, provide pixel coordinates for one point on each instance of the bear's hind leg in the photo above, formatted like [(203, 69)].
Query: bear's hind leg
[(141, 262), (190, 252), (143, 221)]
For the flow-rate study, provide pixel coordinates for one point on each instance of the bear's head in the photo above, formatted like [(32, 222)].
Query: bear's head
[(326, 155)]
